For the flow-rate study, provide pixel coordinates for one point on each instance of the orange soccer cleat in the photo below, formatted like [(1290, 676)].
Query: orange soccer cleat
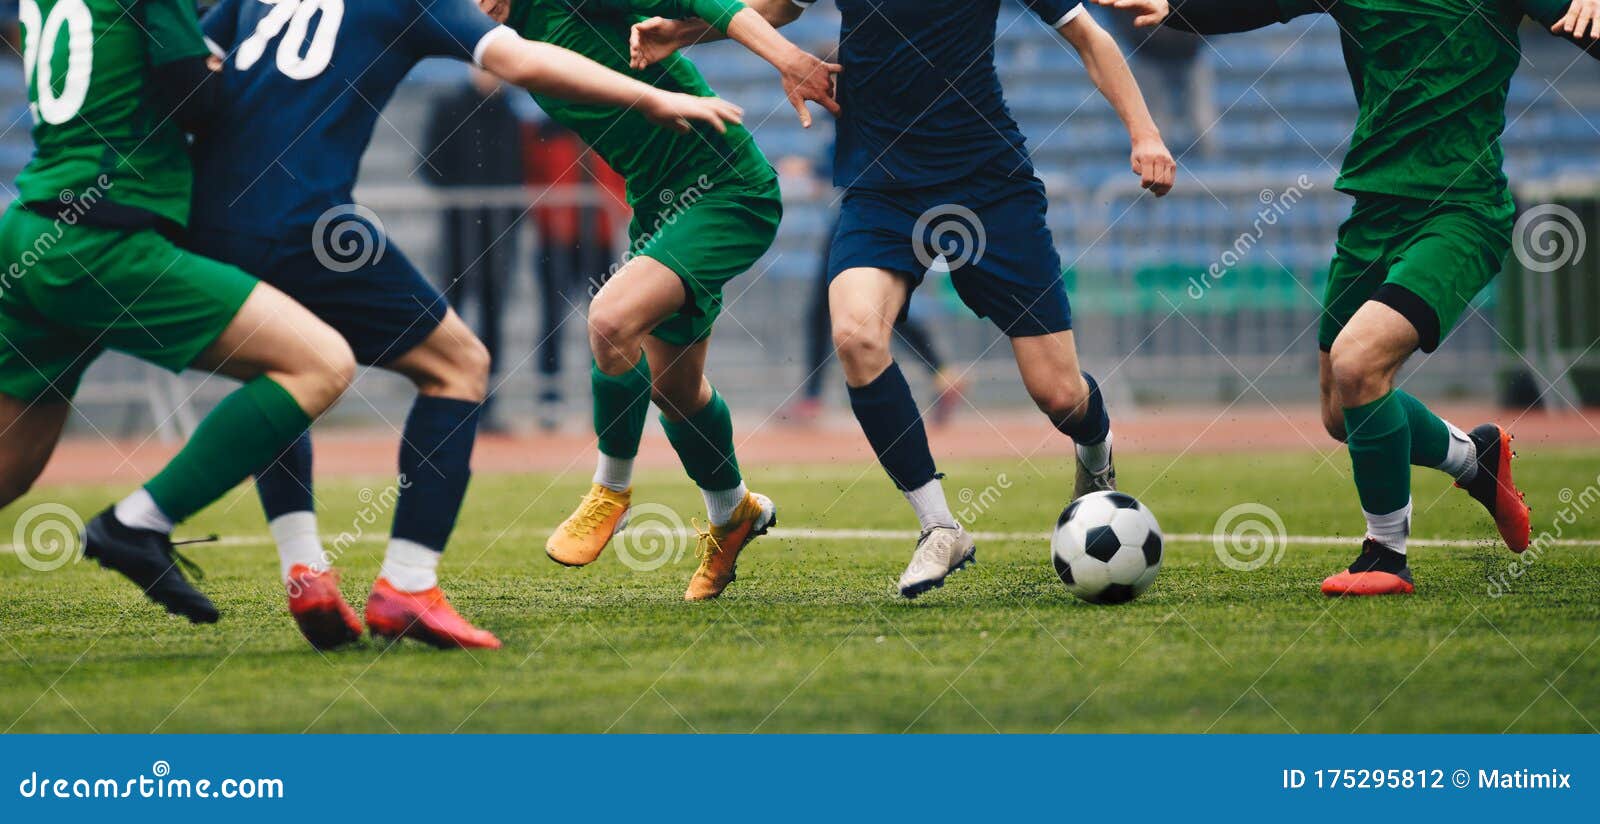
[(720, 546), (579, 539), (1379, 570), (325, 619), (425, 616), (1493, 487)]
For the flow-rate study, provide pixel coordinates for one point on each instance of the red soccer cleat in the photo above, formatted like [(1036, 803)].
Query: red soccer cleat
[(1493, 487), (1379, 570), (325, 619), (425, 616)]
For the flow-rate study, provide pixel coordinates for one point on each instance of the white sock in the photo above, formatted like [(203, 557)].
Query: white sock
[(720, 505), (1095, 456), (1461, 458), (615, 474), (929, 503), (410, 566), (139, 511), (1392, 529), (295, 533)]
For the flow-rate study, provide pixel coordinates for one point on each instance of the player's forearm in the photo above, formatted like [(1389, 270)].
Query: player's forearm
[(550, 70), (1109, 71), (776, 13), (751, 30)]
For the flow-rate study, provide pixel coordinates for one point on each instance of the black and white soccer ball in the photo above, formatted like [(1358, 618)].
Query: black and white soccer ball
[(1107, 547)]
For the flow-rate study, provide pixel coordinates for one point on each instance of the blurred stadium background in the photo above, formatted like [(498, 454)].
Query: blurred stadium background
[(1208, 296)]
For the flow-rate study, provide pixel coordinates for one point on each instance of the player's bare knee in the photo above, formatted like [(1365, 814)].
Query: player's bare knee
[(862, 344), (1358, 373), (318, 379), (613, 339), (680, 397), (1063, 401), (463, 371)]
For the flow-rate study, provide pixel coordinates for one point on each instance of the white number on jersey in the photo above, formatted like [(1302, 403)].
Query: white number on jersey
[(38, 52), (292, 19)]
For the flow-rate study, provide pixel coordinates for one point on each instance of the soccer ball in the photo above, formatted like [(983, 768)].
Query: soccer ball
[(1106, 547)]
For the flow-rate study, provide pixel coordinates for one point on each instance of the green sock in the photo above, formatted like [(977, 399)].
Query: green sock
[(1379, 437), (245, 432), (704, 442), (621, 403), (1430, 437)]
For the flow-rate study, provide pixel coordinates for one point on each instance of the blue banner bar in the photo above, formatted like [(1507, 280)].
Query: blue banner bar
[(278, 778)]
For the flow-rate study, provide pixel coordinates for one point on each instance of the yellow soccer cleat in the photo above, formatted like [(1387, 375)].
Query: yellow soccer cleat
[(580, 538), (720, 546)]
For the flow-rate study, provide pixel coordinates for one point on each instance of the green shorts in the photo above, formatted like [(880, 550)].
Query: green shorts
[(69, 292), (709, 236), (1425, 260)]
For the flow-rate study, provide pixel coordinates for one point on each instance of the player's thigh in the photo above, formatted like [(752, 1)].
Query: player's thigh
[(678, 376), (1361, 258), (29, 430), (642, 294), (709, 242), (451, 362), (1009, 271), (1452, 254), (865, 303), (273, 335)]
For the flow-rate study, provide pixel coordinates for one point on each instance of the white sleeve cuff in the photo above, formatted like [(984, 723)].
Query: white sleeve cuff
[(494, 34), (216, 49), (804, 4), (1068, 17)]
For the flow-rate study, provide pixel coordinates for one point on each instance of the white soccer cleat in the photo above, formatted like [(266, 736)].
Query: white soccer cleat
[(941, 550)]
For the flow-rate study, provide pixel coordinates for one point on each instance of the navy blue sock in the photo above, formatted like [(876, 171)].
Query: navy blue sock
[(285, 485), (893, 425), (1095, 423), (435, 465)]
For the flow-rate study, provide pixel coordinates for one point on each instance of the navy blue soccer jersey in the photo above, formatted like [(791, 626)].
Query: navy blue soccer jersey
[(304, 81), (920, 98)]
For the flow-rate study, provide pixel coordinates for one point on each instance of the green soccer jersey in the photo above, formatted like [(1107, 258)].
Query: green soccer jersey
[(96, 134), (657, 163), (1431, 78)]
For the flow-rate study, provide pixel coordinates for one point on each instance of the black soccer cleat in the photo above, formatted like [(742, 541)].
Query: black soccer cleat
[(148, 559), (1493, 486)]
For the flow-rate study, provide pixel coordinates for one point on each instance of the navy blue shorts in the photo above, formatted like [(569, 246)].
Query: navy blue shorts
[(383, 307), (989, 230)]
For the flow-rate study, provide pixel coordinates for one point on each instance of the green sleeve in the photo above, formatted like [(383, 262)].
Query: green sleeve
[(173, 30), (716, 12)]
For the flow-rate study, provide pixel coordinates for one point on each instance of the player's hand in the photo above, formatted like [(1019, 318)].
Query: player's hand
[(654, 40), (808, 78), (1154, 165), (498, 10), (1582, 20), (679, 112), (1146, 12)]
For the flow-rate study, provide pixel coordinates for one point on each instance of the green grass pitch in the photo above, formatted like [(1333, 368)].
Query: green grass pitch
[(810, 639)]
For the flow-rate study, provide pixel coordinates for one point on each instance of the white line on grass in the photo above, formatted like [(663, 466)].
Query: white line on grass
[(911, 535)]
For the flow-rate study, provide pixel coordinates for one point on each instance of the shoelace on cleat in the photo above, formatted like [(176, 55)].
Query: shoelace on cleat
[(592, 511), (183, 562), (706, 544)]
